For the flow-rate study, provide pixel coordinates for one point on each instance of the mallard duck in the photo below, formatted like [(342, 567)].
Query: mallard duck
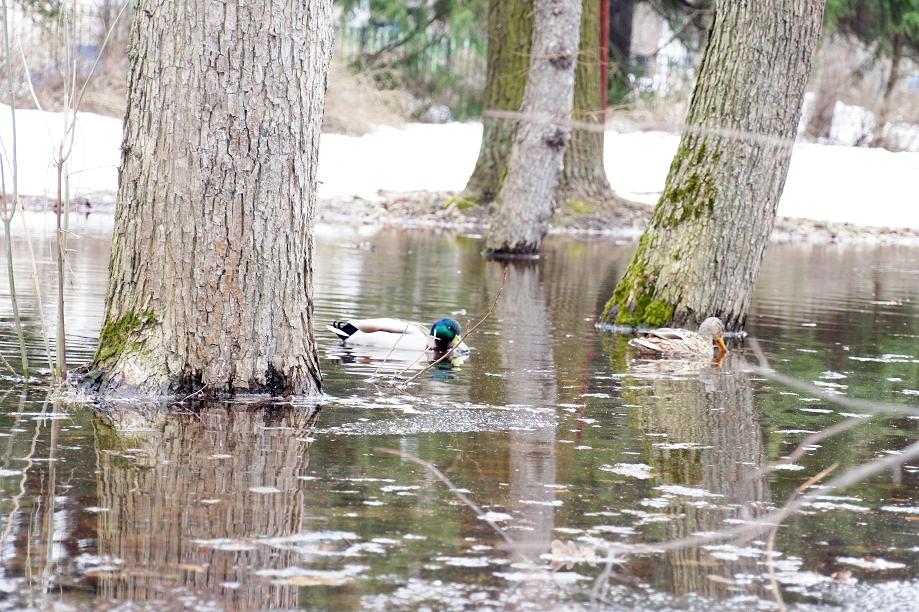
[(668, 342), (396, 334)]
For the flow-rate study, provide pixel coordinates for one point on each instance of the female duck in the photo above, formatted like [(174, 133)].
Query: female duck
[(667, 342), (396, 334)]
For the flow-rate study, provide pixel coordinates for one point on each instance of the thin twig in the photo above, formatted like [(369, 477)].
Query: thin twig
[(398, 340), (879, 408), (481, 514), (468, 333), (770, 543), (7, 364)]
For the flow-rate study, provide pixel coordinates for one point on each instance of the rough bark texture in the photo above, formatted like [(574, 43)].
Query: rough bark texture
[(510, 33), (211, 269), (527, 198), (510, 26), (583, 179), (701, 253), (883, 112)]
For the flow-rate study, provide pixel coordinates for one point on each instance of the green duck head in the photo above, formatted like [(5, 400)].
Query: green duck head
[(446, 332)]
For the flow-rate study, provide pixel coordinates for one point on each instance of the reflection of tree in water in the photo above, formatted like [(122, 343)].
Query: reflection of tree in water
[(711, 410), (530, 384), (193, 479)]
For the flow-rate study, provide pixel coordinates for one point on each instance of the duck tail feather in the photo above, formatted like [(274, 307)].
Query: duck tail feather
[(342, 329), (644, 346)]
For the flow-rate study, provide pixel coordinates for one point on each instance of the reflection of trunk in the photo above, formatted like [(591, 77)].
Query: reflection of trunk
[(193, 480), (713, 410), (702, 250), (527, 198), (530, 384)]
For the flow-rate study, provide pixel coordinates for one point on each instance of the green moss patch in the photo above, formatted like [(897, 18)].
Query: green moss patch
[(115, 335)]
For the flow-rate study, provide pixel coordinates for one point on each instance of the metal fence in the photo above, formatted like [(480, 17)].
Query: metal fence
[(435, 66), (444, 68)]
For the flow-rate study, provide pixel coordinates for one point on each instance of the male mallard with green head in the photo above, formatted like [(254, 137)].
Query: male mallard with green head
[(396, 334), (669, 342)]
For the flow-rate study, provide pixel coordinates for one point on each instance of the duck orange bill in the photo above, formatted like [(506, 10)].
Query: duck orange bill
[(721, 345)]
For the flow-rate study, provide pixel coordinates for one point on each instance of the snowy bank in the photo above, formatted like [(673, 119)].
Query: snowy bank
[(830, 183)]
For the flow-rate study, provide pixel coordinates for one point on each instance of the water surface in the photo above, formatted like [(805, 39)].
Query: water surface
[(554, 429)]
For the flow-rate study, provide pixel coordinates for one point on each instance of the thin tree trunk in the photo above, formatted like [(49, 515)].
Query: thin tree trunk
[(583, 178), (701, 253), (510, 24), (527, 198), (210, 281), (510, 33), (892, 78)]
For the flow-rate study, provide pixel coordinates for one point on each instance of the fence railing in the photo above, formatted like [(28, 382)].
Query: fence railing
[(447, 69)]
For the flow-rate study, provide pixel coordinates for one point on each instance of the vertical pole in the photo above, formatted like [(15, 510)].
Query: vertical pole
[(604, 57)]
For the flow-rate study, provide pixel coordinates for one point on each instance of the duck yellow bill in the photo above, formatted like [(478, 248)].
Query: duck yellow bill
[(721, 345)]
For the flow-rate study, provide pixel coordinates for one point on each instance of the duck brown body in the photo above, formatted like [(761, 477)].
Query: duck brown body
[(674, 342)]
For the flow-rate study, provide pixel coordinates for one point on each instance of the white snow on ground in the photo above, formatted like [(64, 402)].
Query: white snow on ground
[(93, 161), (825, 182)]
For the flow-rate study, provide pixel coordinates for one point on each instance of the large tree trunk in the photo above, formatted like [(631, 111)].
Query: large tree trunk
[(211, 270), (583, 176), (527, 199), (510, 33), (702, 251), (510, 25)]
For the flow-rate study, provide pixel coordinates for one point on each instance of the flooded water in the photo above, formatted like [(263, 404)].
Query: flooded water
[(552, 429)]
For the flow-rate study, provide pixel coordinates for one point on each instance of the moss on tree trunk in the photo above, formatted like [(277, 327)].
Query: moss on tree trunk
[(510, 34), (210, 284), (701, 253)]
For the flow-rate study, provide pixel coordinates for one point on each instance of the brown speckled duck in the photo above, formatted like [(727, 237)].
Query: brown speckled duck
[(667, 342)]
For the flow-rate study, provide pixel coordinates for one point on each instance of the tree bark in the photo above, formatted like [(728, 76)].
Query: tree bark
[(210, 282), (510, 25), (701, 253), (510, 33), (583, 176), (527, 199)]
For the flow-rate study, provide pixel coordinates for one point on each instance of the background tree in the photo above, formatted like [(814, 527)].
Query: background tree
[(702, 250), (510, 24), (211, 270), (583, 177), (527, 198), (891, 26), (510, 33), (620, 48)]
